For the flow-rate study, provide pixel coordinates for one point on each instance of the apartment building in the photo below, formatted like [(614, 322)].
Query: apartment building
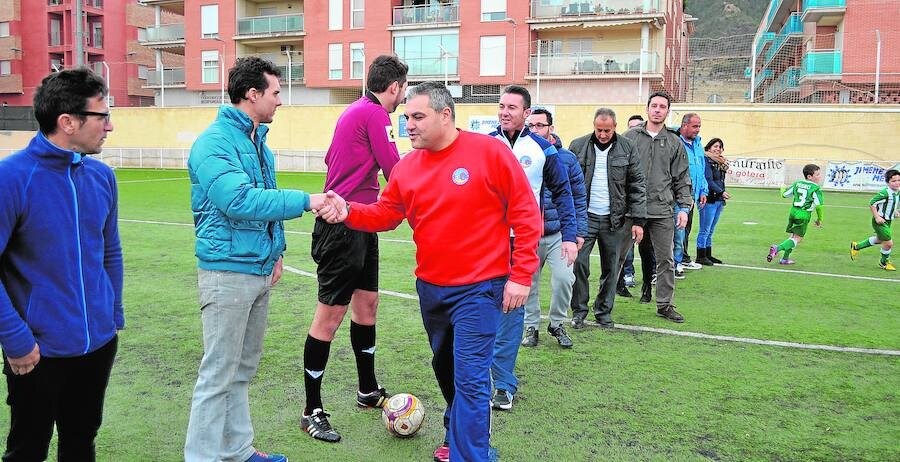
[(827, 51), (39, 36), (615, 51)]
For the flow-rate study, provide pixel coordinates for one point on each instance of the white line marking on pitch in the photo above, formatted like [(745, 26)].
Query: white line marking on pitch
[(636, 258), (724, 338)]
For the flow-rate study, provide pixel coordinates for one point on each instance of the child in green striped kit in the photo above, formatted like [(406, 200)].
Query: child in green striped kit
[(885, 206)]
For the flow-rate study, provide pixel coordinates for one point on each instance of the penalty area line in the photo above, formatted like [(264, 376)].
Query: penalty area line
[(700, 335)]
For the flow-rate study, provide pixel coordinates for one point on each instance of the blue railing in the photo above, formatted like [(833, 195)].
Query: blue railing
[(788, 80), (807, 4), (793, 25), (821, 63)]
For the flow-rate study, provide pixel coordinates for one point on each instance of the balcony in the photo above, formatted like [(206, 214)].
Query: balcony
[(566, 9), (765, 40), (296, 72), (788, 81), (593, 64), (821, 65), (172, 6), (817, 10), (164, 34), (426, 14), (285, 24), (762, 76), (171, 77), (792, 29)]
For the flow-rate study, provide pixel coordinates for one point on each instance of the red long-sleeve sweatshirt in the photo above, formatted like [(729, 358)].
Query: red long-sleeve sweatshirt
[(460, 203)]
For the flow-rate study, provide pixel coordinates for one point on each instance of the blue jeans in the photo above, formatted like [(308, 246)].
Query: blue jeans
[(678, 244), (233, 311), (709, 217), (461, 323), (628, 268)]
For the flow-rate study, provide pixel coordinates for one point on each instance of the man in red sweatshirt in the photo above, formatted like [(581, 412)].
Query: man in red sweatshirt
[(464, 277)]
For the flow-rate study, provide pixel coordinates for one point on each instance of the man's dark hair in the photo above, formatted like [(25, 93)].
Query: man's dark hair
[(809, 170), (385, 70), (660, 94), (521, 91), (714, 141), (547, 113), (249, 72), (65, 92), (890, 174), (636, 117)]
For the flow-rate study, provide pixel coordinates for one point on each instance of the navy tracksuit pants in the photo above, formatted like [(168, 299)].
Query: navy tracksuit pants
[(461, 323)]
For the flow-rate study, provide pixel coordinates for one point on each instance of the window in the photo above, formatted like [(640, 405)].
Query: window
[(493, 10), (268, 10), (580, 45), (4, 29), (493, 55), (427, 55), (335, 63), (335, 15), (5, 67), (143, 71), (551, 47), (96, 35), (55, 31), (210, 66), (209, 21), (357, 14), (357, 61)]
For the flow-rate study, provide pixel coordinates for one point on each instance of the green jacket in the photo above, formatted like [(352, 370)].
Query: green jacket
[(665, 170), (237, 207)]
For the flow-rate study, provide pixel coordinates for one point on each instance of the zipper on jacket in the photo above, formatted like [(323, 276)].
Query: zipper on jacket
[(87, 331)]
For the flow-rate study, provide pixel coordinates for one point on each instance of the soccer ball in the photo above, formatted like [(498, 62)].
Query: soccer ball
[(403, 415)]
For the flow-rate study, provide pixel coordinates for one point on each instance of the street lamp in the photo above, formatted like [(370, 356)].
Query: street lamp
[(221, 68), (108, 84), (288, 52), (515, 33)]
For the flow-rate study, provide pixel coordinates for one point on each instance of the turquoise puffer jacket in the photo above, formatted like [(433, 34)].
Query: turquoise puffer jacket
[(237, 207)]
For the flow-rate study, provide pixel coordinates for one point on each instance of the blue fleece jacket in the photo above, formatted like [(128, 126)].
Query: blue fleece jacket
[(60, 255), (237, 206)]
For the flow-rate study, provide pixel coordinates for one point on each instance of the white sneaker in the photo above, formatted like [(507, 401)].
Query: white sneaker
[(629, 281), (691, 265)]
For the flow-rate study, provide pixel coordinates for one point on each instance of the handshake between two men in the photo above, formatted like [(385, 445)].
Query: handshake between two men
[(329, 206)]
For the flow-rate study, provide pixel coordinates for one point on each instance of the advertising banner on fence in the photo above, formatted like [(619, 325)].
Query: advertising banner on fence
[(483, 124), (854, 176), (755, 172)]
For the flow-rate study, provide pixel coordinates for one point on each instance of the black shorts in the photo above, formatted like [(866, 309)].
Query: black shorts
[(347, 260)]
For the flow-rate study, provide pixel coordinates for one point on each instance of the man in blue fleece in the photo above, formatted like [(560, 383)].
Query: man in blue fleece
[(238, 213), (60, 272)]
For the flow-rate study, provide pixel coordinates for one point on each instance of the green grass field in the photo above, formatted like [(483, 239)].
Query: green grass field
[(617, 395)]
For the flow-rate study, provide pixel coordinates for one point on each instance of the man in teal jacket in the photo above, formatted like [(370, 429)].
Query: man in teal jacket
[(240, 240)]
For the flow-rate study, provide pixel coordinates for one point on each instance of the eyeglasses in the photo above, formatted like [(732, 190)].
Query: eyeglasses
[(537, 125), (105, 115)]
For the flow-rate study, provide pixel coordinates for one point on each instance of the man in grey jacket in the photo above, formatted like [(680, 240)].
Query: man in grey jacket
[(616, 205), (668, 183)]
